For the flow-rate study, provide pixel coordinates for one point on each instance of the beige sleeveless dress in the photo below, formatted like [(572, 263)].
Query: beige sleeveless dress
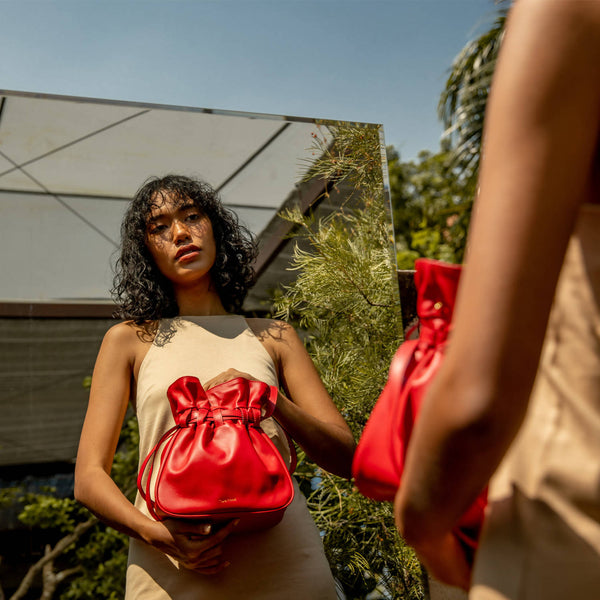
[(284, 562), (541, 539)]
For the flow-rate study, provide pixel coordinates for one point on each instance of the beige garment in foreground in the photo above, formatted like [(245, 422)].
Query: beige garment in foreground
[(541, 538), (284, 562)]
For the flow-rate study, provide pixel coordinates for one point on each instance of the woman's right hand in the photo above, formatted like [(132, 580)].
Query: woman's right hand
[(193, 545)]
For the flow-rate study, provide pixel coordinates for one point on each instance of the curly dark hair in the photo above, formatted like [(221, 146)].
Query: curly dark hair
[(140, 290)]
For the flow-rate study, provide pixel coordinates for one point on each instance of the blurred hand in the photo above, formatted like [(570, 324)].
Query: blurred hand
[(445, 560), (193, 545)]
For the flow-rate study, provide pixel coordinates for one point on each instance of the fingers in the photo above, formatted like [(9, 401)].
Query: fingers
[(207, 563), (202, 552), (210, 555), (225, 531), (227, 376), (212, 570), (446, 561), (189, 528)]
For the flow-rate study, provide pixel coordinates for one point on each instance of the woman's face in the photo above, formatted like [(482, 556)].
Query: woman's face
[(181, 241)]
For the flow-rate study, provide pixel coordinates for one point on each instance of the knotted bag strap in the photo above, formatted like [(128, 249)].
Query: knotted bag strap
[(247, 416)]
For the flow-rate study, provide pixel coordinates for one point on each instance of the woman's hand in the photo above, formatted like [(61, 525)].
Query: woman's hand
[(227, 376), (436, 546), (445, 560), (193, 545)]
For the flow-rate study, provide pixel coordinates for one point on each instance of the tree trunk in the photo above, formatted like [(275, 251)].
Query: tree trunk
[(51, 579), (48, 577), (49, 556)]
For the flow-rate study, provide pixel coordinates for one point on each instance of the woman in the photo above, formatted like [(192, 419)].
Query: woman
[(184, 270), (519, 391)]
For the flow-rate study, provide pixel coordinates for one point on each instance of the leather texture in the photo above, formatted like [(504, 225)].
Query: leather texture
[(380, 455), (217, 464)]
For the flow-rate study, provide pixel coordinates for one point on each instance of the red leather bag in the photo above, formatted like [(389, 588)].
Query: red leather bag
[(217, 464), (380, 455)]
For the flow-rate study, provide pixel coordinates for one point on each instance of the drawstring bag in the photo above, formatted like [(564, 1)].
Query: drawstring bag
[(217, 463), (380, 455)]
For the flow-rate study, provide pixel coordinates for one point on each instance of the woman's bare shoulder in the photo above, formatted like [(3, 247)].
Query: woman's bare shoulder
[(271, 330), (126, 344), (129, 337), (128, 331)]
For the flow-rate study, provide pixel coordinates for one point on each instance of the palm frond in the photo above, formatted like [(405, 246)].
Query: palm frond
[(463, 102)]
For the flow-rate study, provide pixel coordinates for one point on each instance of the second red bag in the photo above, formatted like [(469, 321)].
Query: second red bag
[(379, 458)]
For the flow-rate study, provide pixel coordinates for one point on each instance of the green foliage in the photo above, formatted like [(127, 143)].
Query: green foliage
[(102, 555), (432, 208), (124, 468), (48, 512), (433, 196), (346, 298), (103, 562), (8, 496), (93, 554), (362, 543), (344, 152)]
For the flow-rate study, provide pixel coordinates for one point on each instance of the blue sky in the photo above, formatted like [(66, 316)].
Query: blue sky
[(379, 61)]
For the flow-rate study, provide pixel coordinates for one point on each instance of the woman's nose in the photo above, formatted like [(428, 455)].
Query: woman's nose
[(180, 232)]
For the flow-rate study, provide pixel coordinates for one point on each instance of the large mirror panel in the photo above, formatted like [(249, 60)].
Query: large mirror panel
[(68, 167)]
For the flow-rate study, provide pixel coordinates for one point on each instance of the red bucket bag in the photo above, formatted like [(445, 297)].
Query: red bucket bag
[(380, 455), (217, 463)]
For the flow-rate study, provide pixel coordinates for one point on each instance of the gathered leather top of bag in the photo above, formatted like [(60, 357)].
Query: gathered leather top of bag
[(217, 463)]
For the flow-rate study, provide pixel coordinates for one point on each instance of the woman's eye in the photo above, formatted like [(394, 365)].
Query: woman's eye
[(193, 217), (156, 229)]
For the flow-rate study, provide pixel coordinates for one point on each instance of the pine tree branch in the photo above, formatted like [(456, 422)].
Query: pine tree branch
[(312, 238)]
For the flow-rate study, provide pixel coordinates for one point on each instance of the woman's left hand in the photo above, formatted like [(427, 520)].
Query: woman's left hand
[(227, 376), (445, 560)]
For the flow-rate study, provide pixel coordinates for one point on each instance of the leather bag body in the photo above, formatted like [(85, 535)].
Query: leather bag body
[(379, 459), (217, 463)]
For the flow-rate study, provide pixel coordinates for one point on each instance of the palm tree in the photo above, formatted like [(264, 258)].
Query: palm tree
[(462, 103)]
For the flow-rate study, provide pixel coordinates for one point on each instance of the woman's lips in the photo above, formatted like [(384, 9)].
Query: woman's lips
[(187, 253)]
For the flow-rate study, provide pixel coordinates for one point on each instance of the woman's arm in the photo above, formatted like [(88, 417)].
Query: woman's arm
[(94, 488), (305, 410), (541, 135), (108, 400)]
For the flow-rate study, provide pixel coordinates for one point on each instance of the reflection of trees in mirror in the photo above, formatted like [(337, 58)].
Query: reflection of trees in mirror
[(79, 555), (350, 157), (346, 299)]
